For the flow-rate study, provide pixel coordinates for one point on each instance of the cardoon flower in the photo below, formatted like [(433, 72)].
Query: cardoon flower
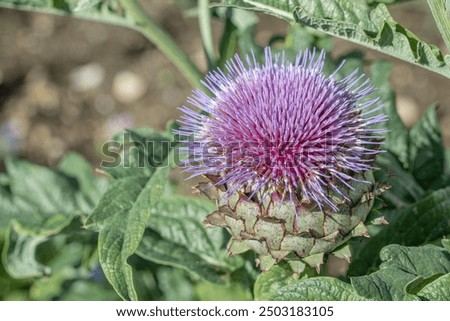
[(287, 152)]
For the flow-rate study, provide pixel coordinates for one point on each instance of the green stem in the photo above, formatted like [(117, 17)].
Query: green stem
[(162, 40), (204, 19), (229, 40), (441, 13)]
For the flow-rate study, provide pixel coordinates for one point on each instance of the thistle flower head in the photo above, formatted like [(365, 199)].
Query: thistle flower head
[(282, 127)]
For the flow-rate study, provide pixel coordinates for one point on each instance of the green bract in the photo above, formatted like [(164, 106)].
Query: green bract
[(277, 230)]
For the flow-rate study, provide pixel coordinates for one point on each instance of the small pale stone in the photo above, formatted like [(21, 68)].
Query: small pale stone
[(408, 110), (128, 87), (87, 77)]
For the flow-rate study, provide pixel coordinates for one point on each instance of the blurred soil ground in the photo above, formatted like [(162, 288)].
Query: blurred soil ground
[(69, 84)]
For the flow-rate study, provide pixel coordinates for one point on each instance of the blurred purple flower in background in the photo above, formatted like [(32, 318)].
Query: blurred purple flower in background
[(283, 127)]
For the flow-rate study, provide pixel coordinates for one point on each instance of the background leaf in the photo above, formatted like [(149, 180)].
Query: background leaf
[(36, 203), (422, 222), (176, 237), (92, 187), (426, 151), (19, 255), (175, 284), (397, 136)]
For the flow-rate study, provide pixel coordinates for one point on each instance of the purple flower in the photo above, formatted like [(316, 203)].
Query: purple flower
[(283, 127)]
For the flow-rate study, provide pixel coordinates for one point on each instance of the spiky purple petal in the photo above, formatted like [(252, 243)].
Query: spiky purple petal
[(282, 127)]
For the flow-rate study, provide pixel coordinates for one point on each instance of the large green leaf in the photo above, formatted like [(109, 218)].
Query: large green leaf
[(422, 222), (121, 216), (438, 290), (406, 273), (400, 266), (349, 20), (139, 161), (177, 237), (317, 289)]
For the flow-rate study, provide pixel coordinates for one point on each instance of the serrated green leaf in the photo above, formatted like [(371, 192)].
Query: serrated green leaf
[(400, 266), (317, 289), (377, 31), (104, 11), (177, 237), (424, 260), (349, 20), (385, 285), (422, 222), (426, 151), (121, 216), (438, 290), (271, 281)]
